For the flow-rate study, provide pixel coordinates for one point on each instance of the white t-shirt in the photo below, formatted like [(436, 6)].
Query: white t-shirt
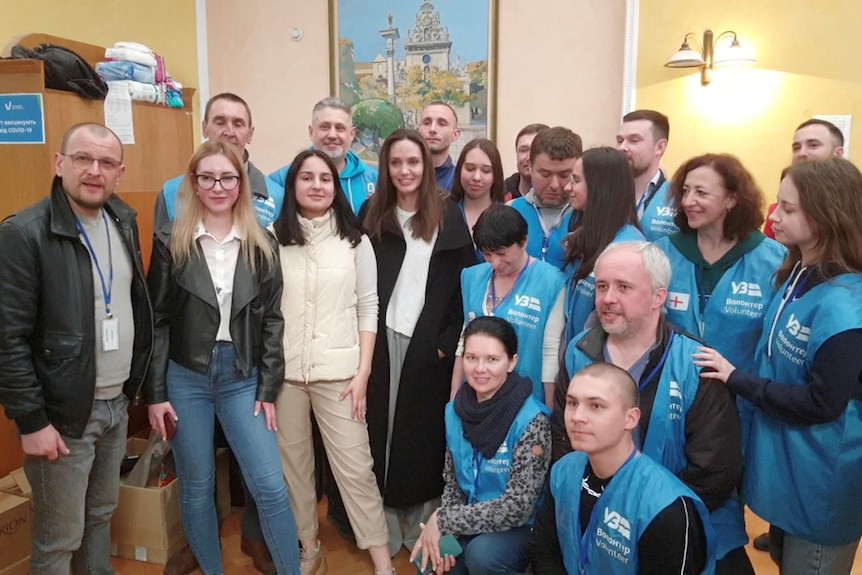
[(408, 296)]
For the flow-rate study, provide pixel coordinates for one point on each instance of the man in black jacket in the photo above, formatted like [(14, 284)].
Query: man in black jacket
[(75, 343), (688, 423)]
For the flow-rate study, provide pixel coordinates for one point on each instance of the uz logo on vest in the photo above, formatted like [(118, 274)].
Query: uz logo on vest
[(616, 521), (528, 302), (746, 288), (796, 329), (665, 211)]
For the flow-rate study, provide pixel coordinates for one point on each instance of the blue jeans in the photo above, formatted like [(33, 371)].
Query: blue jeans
[(198, 399), (500, 553), (795, 556), (75, 496)]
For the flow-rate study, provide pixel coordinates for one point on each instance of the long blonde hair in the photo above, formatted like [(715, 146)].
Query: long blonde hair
[(190, 211)]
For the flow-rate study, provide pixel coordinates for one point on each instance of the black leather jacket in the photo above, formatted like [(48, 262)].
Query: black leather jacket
[(187, 318), (47, 331)]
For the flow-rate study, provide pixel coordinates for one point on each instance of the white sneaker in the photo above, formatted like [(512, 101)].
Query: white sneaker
[(312, 562)]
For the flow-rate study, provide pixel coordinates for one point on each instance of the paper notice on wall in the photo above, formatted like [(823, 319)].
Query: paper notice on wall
[(118, 111), (842, 122)]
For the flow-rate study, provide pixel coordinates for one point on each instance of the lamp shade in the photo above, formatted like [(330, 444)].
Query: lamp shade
[(685, 57), (735, 54)]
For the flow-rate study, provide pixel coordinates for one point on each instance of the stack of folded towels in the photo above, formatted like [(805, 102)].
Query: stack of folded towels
[(143, 71)]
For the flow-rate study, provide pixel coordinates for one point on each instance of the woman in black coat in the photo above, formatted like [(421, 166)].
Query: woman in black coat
[(421, 243)]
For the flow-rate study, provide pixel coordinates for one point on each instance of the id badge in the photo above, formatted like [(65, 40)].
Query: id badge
[(110, 334)]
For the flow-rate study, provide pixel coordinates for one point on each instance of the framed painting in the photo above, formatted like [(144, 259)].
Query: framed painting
[(391, 58)]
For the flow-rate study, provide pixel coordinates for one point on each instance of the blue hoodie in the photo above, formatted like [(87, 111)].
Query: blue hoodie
[(358, 181)]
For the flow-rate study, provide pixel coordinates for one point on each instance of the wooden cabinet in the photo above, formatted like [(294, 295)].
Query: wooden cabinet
[(164, 142)]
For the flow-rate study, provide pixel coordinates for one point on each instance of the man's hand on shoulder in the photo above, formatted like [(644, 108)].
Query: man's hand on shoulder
[(46, 442)]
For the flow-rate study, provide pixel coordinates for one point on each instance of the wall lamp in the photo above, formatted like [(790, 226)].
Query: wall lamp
[(710, 54)]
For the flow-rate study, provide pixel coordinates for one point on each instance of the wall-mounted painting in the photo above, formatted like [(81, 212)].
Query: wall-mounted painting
[(391, 58)]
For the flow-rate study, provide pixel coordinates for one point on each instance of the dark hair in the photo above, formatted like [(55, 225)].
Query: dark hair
[(830, 195), (499, 227), (837, 136), (617, 376), (487, 146), (660, 123), (230, 97), (746, 216), (558, 143), (530, 129), (495, 327), (94, 128), (381, 205), (442, 103), (610, 206), (287, 228)]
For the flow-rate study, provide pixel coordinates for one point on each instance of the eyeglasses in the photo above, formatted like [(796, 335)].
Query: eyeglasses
[(83, 162), (228, 183)]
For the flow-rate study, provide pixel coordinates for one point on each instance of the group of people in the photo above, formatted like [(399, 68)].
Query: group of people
[(590, 366)]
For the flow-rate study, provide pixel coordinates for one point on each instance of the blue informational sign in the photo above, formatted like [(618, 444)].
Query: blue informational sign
[(22, 119)]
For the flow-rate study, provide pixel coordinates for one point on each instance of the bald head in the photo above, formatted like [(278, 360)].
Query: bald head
[(94, 129)]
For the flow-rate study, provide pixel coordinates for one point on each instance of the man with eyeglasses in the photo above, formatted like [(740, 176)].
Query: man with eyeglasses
[(227, 118), (546, 208), (75, 344)]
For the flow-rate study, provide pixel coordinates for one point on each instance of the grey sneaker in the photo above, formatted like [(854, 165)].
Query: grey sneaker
[(312, 562)]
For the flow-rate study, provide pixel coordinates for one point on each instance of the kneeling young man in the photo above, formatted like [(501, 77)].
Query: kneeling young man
[(612, 509)]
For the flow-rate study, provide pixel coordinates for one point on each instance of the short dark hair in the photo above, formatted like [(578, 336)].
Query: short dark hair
[(558, 143), (230, 97), (94, 128), (495, 327), (610, 206), (487, 146), (530, 129), (660, 123), (499, 227), (287, 228), (746, 216), (442, 103), (837, 136), (620, 378)]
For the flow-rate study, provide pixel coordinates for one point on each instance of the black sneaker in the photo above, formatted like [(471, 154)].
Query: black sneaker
[(761, 542)]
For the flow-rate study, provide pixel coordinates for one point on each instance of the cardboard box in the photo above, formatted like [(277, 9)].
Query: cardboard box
[(21, 567), (16, 483), (15, 527), (146, 525)]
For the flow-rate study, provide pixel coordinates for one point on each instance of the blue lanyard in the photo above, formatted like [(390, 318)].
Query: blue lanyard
[(657, 369), (583, 538), (702, 298), (546, 237), (494, 304), (106, 291)]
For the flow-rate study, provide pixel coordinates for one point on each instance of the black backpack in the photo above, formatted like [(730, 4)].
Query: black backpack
[(65, 70)]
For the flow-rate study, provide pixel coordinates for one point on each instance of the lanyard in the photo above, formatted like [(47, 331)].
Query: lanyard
[(657, 369), (649, 194), (494, 304), (583, 538), (546, 232), (106, 291), (790, 295), (702, 298)]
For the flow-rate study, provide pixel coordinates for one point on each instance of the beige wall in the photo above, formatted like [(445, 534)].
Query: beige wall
[(561, 64)]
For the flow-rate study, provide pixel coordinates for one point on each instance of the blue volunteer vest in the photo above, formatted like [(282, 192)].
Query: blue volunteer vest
[(546, 248), (581, 301), (267, 208), (733, 315), (657, 219), (638, 492), (665, 441), (807, 479), (485, 479), (527, 308)]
